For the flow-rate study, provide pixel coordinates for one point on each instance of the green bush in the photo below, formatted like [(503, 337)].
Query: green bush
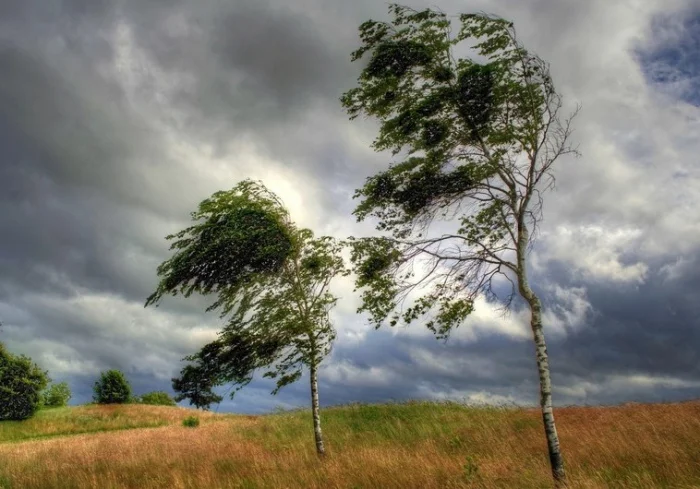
[(112, 388), (157, 398), (21, 383), (56, 395), (191, 421)]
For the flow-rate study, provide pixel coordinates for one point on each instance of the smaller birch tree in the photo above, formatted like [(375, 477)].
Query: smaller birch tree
[(272, 283)]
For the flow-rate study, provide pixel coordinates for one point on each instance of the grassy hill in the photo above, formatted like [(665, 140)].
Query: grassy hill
[(413, 445)]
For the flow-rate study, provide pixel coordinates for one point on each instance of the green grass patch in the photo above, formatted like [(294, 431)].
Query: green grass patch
[(63, 421)]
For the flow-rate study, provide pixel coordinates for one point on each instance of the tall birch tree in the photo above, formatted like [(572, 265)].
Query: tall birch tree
[(478, 136), (272, 282)]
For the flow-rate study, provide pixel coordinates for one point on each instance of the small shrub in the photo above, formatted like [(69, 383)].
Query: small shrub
[(21, 383), (470, 468), (157, 398), (191, 421), (57, 395), (112, 388)]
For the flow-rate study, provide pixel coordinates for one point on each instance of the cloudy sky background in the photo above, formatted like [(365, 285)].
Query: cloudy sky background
[(118, 117)]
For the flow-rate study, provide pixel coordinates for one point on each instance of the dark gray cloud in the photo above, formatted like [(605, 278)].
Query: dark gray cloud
[(253, 64), (672, 62), (282, 57), (261, 71), (117, 118)]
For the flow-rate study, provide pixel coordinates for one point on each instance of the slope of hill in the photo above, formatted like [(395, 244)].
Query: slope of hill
[(413, 445), (94, 418)]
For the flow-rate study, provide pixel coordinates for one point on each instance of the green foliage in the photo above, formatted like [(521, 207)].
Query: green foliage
[(157, 398), (480, 135), (190, 422), (196, 382), (56, 395), (471, 469), (272, 284), (21, 383), (281, 327), (112, 388), (241, 234)]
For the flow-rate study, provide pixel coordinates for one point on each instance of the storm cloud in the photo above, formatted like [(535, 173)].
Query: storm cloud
[(117, 118)]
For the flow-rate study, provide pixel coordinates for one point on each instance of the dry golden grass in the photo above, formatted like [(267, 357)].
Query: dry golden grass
[(414, 445)]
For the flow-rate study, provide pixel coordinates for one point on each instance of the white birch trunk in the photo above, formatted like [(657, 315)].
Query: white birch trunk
[(315, 409), (555, 457)]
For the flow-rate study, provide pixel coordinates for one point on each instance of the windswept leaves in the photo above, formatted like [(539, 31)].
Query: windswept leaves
[(231, 359), (375, 261), (474, 99), (196, 385), (411, 189), (478, 133), (272, 284), (242, 235), (396, 58)]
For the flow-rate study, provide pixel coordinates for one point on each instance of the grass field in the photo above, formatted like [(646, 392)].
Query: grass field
[(413, 445)]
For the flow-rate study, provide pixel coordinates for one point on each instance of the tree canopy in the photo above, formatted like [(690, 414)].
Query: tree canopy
[(112, 388), (56, 395), (21, 384), (242, 235), (479, 137)]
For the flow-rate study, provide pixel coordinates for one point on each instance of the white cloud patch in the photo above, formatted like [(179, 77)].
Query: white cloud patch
[(470, 397), (568, 311), (129, 337), (676, 269), (594, 252), (343, 373), (622, 384)]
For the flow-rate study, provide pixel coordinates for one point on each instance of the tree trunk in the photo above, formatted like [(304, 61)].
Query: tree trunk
[(555, 457), (315, 410)]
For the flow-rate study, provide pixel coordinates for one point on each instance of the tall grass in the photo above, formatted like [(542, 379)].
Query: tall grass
[(413, 445)]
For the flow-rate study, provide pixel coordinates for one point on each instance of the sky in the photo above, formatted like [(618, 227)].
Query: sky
[(117, 117)]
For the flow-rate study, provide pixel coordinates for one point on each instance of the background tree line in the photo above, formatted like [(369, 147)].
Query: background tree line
[(25, 388)]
